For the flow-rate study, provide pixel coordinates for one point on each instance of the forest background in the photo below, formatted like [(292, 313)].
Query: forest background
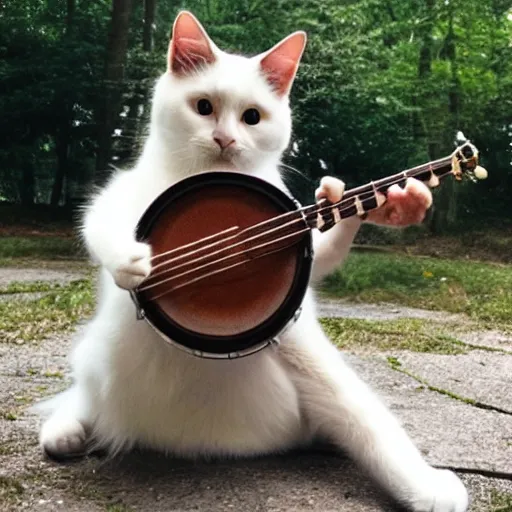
[(384, 85)]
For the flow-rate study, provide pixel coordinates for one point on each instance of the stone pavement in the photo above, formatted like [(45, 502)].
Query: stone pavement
[(457, 408)]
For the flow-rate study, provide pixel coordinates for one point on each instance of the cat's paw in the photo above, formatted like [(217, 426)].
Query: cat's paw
[(134, 267), (63, 438), (442, 491), (330, 188)]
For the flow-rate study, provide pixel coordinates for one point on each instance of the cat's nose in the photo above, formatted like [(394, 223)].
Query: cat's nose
[(222, 139)]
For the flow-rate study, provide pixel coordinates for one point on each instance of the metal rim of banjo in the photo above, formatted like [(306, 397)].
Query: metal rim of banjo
[(255, 339)]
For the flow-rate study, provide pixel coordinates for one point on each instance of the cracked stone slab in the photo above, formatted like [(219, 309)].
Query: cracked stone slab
[(480, 375), (335, 308), (484, 492), (340, 308), (300, 482), (33, 358), (492, 339), (148, 482), (24, 275), (447, 431)]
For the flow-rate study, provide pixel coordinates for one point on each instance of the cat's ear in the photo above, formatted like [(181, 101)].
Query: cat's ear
[(281, 62), (190, 45)]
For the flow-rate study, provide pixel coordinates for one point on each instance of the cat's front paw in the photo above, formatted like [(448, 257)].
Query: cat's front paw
[(63, 438), (134, 267), (442, 491)]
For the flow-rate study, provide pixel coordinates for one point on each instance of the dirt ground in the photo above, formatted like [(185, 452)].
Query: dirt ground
[(457, 408)]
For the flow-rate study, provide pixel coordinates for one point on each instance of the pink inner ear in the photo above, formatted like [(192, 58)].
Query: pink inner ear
[(190, 46), (281, 63)]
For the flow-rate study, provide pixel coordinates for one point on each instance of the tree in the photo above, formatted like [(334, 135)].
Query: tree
[(115, 61), (384, 85), (63, 127)]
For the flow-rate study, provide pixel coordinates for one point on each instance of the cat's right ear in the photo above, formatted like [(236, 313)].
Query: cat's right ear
[(281, 62), (190, 46)]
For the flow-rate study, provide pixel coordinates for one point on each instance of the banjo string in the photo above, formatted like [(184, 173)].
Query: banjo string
[(226, 268), (201, 240), (245, 252), (230, 256), (299, 219), (354, 192), (253, 238), (220, 251)]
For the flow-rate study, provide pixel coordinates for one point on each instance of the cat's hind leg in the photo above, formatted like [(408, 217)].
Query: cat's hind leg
[(339, 407)]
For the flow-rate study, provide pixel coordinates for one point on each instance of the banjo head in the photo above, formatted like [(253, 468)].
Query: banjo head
[(221, 287)]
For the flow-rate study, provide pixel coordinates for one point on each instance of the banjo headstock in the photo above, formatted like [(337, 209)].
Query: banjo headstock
[(465, 160)]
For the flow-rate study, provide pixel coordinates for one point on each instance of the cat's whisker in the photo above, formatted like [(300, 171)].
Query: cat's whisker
[(293, 169)]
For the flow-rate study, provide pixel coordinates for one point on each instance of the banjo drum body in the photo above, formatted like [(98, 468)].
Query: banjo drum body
[(226, 278)]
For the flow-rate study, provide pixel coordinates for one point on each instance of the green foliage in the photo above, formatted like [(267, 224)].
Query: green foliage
[(483, 291), (384, 85), (48, 91)]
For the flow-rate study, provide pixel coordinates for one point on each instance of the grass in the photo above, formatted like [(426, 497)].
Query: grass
[(10, 415), (44, 247), (24, 321), (481, 290), (11, 489), (501, 502), (402, 334), (29, 287)]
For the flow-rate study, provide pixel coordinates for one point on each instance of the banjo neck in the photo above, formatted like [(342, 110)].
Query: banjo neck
[(361, 200)]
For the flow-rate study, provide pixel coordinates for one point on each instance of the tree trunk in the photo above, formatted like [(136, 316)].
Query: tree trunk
[(149, 25), (113, 80), (70, 16), (137, 116), (147, 46), (63, 135), (445, 214), (62, 141), (424, 73), (27, 183)]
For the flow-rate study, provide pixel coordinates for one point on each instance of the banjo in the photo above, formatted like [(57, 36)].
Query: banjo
[(216, 235)]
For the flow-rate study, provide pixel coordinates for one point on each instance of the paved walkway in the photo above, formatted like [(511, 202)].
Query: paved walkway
[(457, 408)]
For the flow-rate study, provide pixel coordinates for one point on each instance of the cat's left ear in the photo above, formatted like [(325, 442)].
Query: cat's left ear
[(190, 45), (281, 62)]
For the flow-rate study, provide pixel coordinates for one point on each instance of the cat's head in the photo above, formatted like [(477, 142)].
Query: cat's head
[(215, 110)]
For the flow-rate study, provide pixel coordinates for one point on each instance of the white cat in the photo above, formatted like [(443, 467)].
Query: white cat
[(213, 110)]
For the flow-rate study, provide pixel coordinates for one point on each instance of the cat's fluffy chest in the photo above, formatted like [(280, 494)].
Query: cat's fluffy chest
[(163, 397)]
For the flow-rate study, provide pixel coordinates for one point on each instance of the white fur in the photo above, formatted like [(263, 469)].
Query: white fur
[(131, 387)]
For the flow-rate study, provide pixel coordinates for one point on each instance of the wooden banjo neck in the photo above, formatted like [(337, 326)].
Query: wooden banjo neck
[(361, 200)]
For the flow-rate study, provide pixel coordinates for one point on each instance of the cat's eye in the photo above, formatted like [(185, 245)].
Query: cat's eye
[(204, 107), (251, 116)]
